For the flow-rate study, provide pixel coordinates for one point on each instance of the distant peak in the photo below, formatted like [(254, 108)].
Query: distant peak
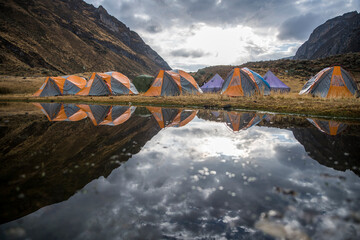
[(102, 9), (350, 14)]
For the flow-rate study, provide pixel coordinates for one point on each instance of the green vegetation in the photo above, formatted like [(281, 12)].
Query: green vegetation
[(143, 82)]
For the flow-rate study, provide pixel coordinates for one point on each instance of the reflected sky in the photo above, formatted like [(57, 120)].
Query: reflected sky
[(203, 180)]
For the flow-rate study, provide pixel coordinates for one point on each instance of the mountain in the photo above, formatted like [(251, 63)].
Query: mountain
[(69, 36), (336, 36)]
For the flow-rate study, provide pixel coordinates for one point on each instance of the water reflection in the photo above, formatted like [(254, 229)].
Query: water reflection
[(328, 126), (241, 121), (145, 180), (47, 162), (171, 117), (108, 115), (61, 112)]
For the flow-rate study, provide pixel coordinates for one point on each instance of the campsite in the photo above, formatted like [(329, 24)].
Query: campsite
[(179, 120)]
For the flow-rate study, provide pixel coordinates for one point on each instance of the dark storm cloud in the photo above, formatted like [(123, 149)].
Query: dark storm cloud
[(299, 27), (187, 12), (188, 53), (161, 14)]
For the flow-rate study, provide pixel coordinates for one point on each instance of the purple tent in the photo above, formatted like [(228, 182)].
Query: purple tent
[(275, 83), (213, 85)]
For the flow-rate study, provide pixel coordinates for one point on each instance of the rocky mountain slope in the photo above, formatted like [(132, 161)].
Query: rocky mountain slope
[(69, 36), (336, 36)]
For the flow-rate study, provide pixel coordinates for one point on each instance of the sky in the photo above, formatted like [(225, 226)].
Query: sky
[(192, 34)]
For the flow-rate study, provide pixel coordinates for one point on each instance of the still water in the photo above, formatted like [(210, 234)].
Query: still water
[(123, 172)]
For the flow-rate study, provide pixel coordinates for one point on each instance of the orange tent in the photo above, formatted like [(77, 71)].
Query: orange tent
[(331, 82), (169, 117), (61, 112), (244, 82), (66, 85), (173, 83), (109, 83)]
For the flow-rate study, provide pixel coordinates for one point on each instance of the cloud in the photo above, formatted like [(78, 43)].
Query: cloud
[(255, 49), (153, 28), (185, 53), (184, 24), (299, 27)]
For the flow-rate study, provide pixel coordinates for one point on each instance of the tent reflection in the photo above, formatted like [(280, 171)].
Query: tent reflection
[(170, 117), (329, 127)]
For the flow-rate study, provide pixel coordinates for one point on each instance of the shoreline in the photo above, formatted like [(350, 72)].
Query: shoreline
[(289, 104)]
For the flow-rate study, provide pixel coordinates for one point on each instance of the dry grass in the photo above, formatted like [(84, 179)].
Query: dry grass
[(281, 103)]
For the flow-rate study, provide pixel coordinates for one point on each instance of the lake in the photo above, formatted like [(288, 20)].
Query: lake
[(77, 171)]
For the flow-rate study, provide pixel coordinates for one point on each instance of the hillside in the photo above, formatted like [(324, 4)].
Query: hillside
[(50, 37), (294, 73), (336, 36)]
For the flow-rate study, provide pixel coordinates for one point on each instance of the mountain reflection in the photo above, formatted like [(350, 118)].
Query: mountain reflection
[(47, 162)]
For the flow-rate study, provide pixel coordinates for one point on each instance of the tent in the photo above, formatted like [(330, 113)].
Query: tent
[(244, 82), (61, 112), (240, 121), (170, 117), (65, 85), (173, 83), (214, 84), (328, 126), (331, 82), (109, 83), (275, 83)]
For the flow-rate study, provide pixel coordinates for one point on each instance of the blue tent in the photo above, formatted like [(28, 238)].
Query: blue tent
[(213, 85), (275, 83)]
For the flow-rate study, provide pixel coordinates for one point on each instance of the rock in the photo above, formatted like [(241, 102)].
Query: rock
[(336, 36)]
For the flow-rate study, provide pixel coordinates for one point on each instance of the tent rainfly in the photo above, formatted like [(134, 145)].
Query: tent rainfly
[(275, 83), (65, 85), (331, 82), (173, 83), (109, 83), (213, 85), (244, 82)]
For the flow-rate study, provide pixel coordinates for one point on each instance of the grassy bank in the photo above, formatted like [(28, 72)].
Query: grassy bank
[(280, 103)]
